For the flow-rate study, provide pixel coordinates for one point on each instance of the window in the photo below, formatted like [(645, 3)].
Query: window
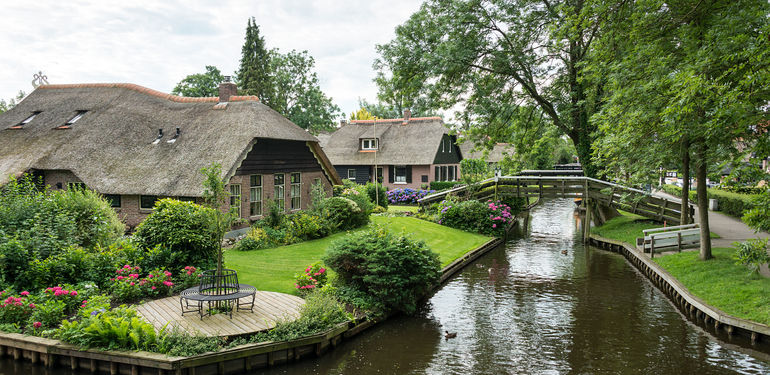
[(352, 174), (450, 173), (74, 119), (296, 191), (379, 174), (443, 173), (255, 207), (235, 199), (280, 190), (424, 178), (369, 144), (26, 120), (400, 173), (186, 199), (114, 200), (147, 202)]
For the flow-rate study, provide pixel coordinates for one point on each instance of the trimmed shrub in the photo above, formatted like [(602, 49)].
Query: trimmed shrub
[(488, 218), (95, 220), (183, 228), (372, 192), (443, 185), (758, 216), (393, 271), (307, 225), (752, 254), (344, 213), (733, 204)]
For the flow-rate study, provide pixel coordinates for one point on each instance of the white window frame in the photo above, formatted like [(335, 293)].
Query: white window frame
[(399, 179), (235, 199), (296, 191), (255, 195), (369, 144), (352, 178), (280, 190)]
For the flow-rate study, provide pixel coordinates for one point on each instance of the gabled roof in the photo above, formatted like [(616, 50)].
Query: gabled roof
[(495, 155), (412, 142), (111, 147)]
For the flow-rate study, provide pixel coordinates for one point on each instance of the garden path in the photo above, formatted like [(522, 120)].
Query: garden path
[(269, 308)]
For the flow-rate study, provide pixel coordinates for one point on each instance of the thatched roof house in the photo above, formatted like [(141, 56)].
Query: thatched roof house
[(409, 152), (127, 140)]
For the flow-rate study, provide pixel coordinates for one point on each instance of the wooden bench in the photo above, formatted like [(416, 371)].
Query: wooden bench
[(678, 237)]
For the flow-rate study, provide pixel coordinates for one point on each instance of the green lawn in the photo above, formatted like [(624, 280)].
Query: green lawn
[(628, 227), (392, 208), (721, 283), (274, 269)]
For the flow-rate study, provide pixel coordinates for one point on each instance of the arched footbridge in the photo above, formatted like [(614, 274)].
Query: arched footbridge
[(571, 184)]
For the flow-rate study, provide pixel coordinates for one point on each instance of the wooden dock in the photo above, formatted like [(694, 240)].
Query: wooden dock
[(269, 308)]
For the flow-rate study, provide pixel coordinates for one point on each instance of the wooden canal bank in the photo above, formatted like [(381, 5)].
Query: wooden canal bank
[(242, 359), (713, 320)]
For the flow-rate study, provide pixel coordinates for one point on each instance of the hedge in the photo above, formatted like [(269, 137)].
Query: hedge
[(733, 204), (443, 185)]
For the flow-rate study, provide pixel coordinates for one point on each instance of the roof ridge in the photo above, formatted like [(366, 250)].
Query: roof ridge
[(149, 91), (394, 120)]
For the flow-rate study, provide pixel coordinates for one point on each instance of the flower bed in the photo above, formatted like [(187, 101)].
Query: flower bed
[(488, 218), (407, 195)]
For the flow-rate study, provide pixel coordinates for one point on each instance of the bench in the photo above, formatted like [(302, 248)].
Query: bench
[(217, 289), (679, 237)]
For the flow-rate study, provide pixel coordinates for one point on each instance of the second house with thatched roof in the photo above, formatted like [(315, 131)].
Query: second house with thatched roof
[(136, 145), (404, 152)]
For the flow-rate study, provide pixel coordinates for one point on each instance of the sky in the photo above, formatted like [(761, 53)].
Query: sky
[(157, 43)]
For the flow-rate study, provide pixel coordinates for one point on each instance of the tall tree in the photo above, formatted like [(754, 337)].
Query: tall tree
[(254, 76), (4, 106), (491, 56), (201, 84), (695, 77), (297, 93)]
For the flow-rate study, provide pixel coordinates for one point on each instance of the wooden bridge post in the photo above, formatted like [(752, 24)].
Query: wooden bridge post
[(587, 223)]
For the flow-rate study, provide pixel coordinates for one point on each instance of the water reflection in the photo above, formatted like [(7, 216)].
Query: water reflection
[(530, 308)]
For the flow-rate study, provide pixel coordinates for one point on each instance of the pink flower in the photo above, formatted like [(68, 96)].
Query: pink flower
[(168, 283), (73, 293), (31, 305), (25, 293), (37, 324), (149, 276), (322, 270), (153, 288), (85, 302), (167, 273), (132, 283), (494, 225), (127, 266), (120, 277)]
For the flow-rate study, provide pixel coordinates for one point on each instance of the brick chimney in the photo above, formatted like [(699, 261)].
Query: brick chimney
[(226, 90), (407, 114)]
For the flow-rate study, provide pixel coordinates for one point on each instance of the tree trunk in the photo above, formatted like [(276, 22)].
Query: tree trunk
[(684, 217), (703, 203)]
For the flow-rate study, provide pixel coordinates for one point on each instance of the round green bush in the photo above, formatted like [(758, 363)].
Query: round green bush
[(344, 213), (185, 229), (392, 272)]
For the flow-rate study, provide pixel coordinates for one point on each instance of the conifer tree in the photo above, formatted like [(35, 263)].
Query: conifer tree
[(254, 75)]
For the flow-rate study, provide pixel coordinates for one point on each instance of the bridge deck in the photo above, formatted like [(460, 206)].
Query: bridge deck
[(602, 192)]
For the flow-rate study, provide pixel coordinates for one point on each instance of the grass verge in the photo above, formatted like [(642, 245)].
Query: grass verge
[(628, 227), (722, 283), (392, 208), (274, 269)]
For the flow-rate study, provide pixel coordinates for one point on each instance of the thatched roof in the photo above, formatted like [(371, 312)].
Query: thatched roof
[(412, 142), (111, 147), (495, 155)]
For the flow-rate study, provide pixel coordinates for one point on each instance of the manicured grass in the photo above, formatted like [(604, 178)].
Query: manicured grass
[(628, 227), (392, 208), (722, 283), (625, 228), (274, 269)]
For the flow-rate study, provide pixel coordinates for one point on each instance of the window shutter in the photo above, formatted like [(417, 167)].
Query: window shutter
[(391, 172), (408, 174), (435, 178)]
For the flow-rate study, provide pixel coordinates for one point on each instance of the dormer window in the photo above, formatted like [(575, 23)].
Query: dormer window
[(26, 120), (74, 119), (369, 144)]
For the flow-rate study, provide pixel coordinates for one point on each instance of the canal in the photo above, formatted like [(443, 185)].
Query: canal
[(541, 304)]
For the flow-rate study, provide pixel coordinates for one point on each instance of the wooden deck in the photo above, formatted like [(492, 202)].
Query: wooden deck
[(269, 307)]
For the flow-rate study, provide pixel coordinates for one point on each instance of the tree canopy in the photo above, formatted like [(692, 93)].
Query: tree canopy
[(4, 106), (201, 84)]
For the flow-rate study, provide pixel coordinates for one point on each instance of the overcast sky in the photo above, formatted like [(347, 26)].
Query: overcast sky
[(157, 43)]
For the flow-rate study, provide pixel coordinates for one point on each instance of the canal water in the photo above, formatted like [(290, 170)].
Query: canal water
[(541, 304)]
